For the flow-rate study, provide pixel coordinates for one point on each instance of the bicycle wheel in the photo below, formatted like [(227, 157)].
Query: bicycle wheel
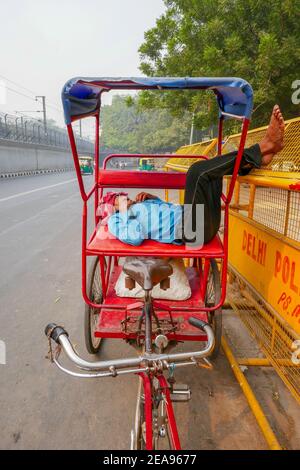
[(161, 430), (161, 435), (212, 297), (138, 436), (94, 290)]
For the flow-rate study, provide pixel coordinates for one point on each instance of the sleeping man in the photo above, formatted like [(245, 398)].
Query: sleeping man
[(147, 217), (198, 221)]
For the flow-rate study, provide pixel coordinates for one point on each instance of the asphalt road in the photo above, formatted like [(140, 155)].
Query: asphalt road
[(41, 408)]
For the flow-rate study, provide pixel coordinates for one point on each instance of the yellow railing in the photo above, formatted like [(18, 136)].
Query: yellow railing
[(264, 257), (271, 202), (207, 148), (285, 164)]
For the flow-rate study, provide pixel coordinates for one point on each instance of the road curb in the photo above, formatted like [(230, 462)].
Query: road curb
[(33, 172)]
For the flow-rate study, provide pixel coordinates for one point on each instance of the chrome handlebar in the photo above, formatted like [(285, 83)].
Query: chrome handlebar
[(146, 362)]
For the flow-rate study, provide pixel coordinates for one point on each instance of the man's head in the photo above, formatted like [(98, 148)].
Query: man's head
[(112, 202), (122, 202)]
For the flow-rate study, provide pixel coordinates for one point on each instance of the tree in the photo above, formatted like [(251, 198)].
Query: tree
[(128, 128), (254, 39)]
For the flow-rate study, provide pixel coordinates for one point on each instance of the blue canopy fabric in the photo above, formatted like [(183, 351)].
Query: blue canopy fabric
[(81, 97)]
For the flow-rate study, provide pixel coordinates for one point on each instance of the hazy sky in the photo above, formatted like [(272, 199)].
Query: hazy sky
[(46, 42)]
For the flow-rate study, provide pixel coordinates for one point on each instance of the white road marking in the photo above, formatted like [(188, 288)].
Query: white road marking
[(36, 216), (36, 190)]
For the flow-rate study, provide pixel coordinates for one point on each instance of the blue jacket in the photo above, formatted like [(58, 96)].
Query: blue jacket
[(152, 219)]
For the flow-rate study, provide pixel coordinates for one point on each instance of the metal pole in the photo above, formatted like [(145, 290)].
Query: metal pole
[(6, 126), (192, 130), (22, 127), (16, 121), (25, 128), (253, 403), (44, 111)]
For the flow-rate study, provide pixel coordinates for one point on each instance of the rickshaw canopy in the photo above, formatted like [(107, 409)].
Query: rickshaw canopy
[(81, 96)]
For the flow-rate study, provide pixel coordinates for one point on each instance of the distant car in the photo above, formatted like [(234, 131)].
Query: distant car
[(86, 165)]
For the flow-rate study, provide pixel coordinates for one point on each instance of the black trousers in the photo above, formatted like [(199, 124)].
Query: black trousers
[(204, 186)]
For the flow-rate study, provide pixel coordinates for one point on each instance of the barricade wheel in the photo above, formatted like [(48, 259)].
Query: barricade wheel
[(213, 295), (94, 290)]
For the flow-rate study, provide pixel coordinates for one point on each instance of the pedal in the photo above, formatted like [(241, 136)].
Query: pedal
[(181, 392)]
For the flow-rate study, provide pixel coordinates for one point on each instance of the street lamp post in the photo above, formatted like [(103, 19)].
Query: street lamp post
[(44, 111)]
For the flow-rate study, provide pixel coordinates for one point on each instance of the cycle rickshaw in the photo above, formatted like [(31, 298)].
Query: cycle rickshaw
[(152, 327)]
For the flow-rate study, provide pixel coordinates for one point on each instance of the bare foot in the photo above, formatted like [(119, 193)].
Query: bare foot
[(272, 143)]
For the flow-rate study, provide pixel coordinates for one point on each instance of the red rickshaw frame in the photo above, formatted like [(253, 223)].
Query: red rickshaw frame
[(103, 179)]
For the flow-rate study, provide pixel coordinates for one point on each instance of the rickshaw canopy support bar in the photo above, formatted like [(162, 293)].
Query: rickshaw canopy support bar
[(81, 96)]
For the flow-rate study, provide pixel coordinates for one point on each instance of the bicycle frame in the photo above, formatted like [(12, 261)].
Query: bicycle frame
[(147, 366)]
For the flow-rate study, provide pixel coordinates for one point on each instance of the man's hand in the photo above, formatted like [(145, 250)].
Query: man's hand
[(141, 197)]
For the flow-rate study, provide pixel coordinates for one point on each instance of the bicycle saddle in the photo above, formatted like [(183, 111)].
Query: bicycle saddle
[(147, 271)]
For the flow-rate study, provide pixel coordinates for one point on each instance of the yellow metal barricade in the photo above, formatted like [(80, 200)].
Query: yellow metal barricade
[(264, 257), (285, 162), (207, 148)]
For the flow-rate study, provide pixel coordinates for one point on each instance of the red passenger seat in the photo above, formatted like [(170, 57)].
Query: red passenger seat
[(104, 243)]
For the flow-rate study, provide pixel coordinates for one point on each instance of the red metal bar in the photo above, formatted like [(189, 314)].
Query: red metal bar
[(170, 336), (157, 304), (102, 272), (205, 277), (84, 264), (97, 154), (83, 252), (225, 259), (148, 409), (200, 270), (238, 160), (108, 270), (92, 237), (170, 414), (91, 192), (220, 135), (141, 179), (182, 309), (148, 155), (159, 252), (76, 161)]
